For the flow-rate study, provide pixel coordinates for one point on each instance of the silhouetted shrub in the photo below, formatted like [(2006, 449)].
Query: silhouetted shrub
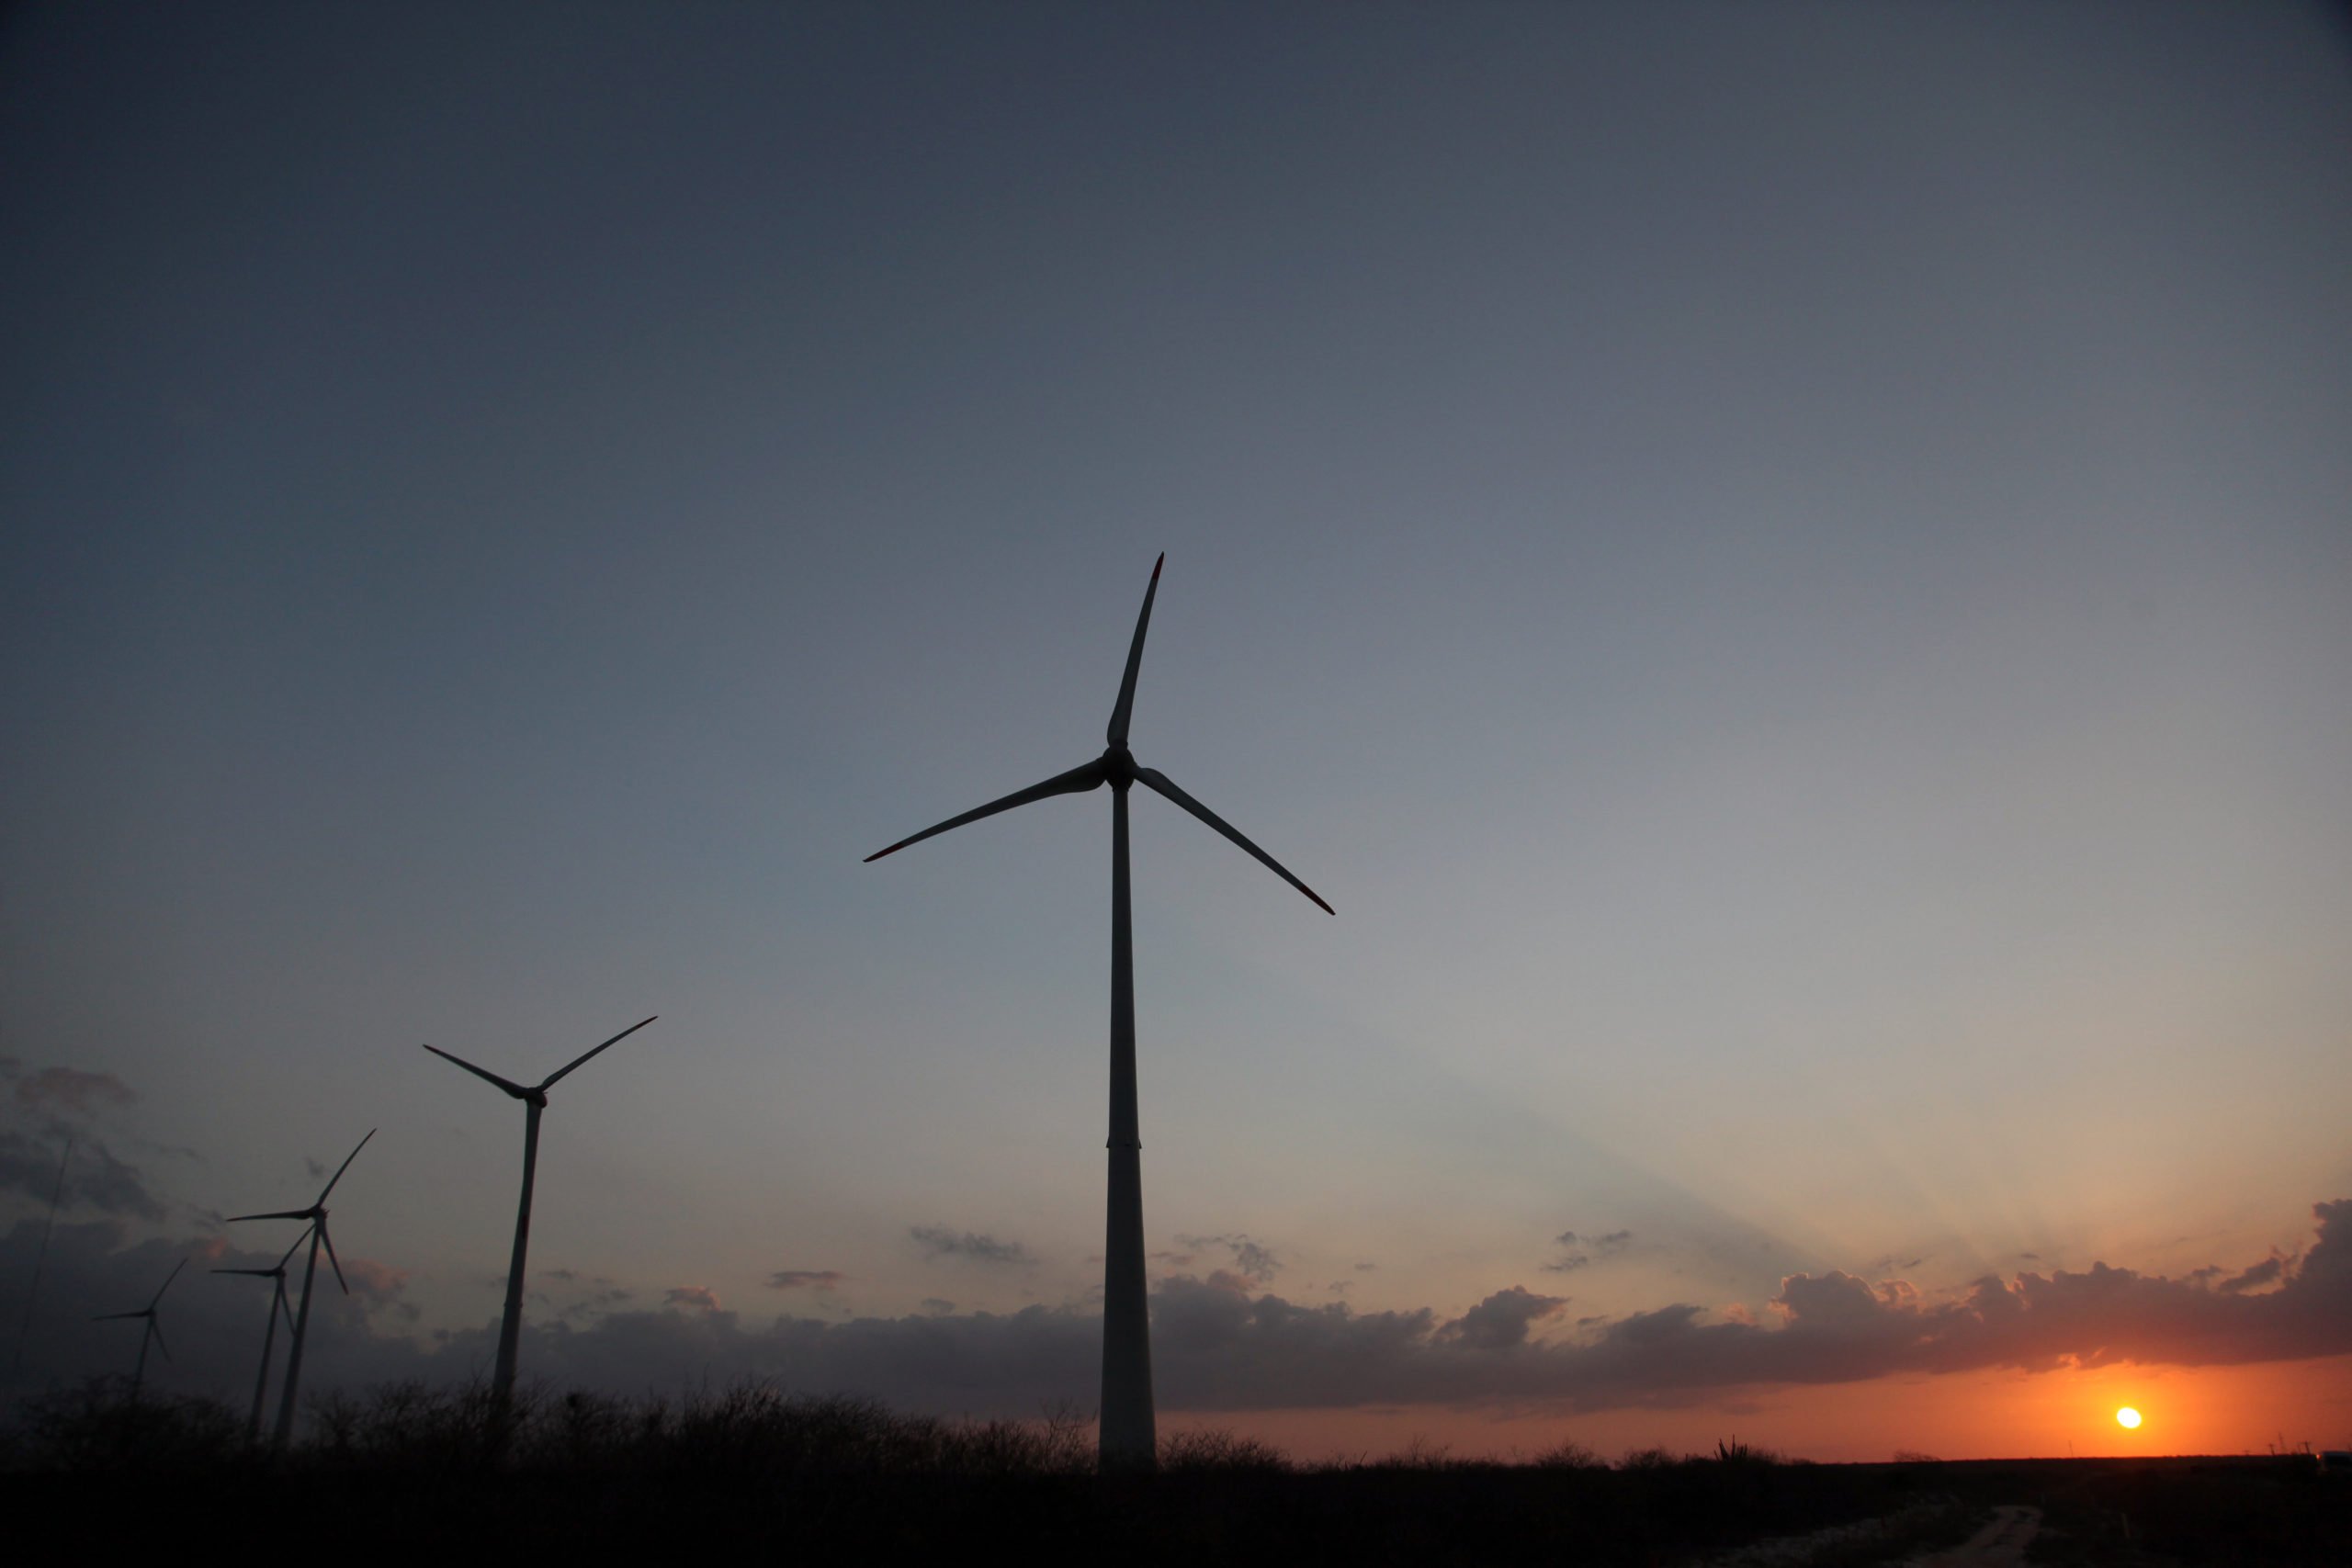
[(1421, 1453), (96, 1427), (411, 1427), (1568, 1455), (1219, 1450), (1737, 1452)]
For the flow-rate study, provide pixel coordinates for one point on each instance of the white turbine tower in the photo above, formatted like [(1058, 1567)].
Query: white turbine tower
[(154, 1330), (1128, 1439), (535, 1101), (277, 1307), (317, 1214)]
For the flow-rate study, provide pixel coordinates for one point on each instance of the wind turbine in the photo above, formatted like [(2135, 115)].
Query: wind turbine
[(154, 1330), (1128, 1438), (270, 1335), (534, 1100), (317, 1214)]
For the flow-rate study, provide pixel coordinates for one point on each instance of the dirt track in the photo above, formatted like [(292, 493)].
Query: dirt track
[(2000, 1544)]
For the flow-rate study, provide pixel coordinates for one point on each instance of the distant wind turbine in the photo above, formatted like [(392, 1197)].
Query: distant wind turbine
[(1128, 1437), (40, 1260), (154, 1330), (534, 1100), (317, 1214), (270, 1335)]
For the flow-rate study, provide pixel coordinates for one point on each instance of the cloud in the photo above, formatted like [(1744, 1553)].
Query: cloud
[(698, 1298), (1251, 1261), (1219, 1346), (94, 1178), (936, 1305), (2256, 1277), (48, 1107), (372, 1280), (1500, 1321), (938, 1241), (73, 1089), (374, 1284), (583, 1296), (805, 1278), (1577, 1252)]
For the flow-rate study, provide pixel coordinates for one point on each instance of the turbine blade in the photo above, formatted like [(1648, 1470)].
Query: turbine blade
[(1117, 734), (110, 1316), (156, 1328), (288, 1256), (276, 1215), (549, 1081), (1077, 780), (257, 1273), (166, 1285), (332, 1258), (518, 1091), (344, 1167), (1167, 786)]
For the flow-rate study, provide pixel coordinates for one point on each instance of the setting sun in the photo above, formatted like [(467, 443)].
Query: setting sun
[(2127, 1417)]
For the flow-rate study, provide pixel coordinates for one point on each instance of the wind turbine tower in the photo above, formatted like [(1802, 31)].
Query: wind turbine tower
[(277, 1307), (317, 1214), (535, 1101), (1128, 1437)]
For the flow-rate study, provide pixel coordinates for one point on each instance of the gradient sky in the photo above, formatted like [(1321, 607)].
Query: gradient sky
[(1785, 569)]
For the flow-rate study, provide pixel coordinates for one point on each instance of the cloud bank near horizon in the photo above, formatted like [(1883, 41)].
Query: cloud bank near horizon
[(1219, 1346)]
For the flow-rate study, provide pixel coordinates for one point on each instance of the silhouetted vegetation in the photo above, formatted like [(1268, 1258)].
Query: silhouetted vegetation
[(96, 1428), (750, 1466), (2277, 1509)]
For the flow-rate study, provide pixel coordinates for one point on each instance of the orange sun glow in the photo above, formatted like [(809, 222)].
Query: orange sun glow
[(2127, 1419)]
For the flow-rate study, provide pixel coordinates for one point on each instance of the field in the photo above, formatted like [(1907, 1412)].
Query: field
[(407, 1469)]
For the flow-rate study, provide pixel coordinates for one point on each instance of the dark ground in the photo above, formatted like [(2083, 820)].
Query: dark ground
[(750, 1472)]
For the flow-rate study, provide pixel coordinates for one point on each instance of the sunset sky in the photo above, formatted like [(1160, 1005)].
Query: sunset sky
[(1787, 570)]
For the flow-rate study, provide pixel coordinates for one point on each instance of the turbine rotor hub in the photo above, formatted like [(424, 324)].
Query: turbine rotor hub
[(1118, 765)]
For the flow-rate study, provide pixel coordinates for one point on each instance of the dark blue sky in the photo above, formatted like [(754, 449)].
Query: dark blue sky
[(1784, 568)]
